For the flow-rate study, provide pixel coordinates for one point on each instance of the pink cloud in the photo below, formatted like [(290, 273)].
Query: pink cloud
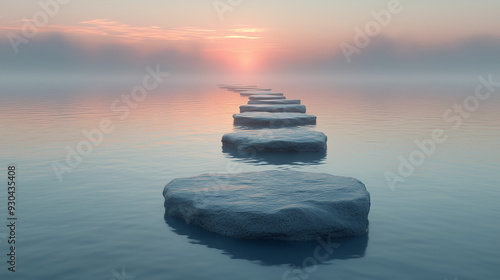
[(111, 28)]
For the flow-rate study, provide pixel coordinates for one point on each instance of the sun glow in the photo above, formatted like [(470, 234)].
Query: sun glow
[(247, 61)]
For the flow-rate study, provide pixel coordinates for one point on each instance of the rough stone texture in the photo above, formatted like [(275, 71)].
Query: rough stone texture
[(276, 140), (273, 120), (280, 108), (274, 102), (286, 205)]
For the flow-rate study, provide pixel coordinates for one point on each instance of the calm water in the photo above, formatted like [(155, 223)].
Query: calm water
[(105, 220)]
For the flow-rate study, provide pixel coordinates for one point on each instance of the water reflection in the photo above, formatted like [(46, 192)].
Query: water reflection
[(292, 158), (270, 252)]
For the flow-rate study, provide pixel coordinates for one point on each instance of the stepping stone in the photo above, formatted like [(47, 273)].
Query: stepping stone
[(254, 157), (265, 97), (273, 108), (276, 140), (271, 102), (273, 120), (241, 89), (285, 205), (255, 89), (249, 93), (251, 87)]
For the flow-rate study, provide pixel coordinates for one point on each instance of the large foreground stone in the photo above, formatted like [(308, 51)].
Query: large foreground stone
[(280, 108), (273, 120), (287, 205), (276, 140), (265, 97), (279, 101)]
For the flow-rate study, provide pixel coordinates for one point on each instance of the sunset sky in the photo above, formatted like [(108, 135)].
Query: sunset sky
[(253, 35)]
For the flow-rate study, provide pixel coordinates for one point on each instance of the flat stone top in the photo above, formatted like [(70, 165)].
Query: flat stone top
[(271, 102), (297, 108), (285, 134), (265, 97), (287, 205), (265, 116), (273, 120), (246, 87), (256, 89), (249, 93)]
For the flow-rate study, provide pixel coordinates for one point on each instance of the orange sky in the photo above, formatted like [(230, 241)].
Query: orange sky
[(249, 34)]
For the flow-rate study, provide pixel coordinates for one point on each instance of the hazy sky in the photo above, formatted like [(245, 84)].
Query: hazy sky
[(253, 35)]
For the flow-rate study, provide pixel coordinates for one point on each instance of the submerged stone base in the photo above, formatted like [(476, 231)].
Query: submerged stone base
[(276, 140)]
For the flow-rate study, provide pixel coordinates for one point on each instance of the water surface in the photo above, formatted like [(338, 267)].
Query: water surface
[(107, 215)]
